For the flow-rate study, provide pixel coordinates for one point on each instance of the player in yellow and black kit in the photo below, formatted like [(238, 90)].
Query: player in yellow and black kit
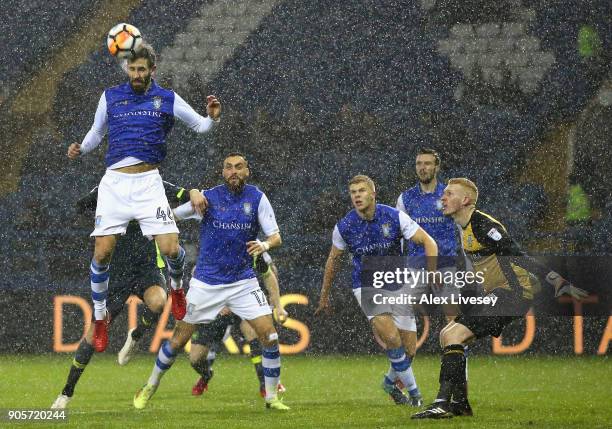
[(508, 275), (137, 270)]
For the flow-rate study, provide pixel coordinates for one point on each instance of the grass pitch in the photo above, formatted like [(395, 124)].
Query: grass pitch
[(323, 391)]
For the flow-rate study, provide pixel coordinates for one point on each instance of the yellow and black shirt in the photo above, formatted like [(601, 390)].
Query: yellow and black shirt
[(493, 252)]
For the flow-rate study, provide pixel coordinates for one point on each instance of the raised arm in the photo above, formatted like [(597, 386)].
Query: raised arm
[(431, 248), (195, 121), (177, 195), (498, 238), (331, 268), (186, 211)]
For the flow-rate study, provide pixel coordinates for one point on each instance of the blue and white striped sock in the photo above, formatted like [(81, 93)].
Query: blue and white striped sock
[(403, 369), (271, 368), (390, 376), (175, 269), (99, 275), (165, 358)]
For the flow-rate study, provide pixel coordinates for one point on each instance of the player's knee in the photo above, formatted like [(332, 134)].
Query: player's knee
[(390, 337), (181, 334), (197, 355), (269, 338), (177, 343), (393, 341), (410, 350), (173, 251), (409, 341), (102, 256), (103, 250), (169, 248), (247, 331)]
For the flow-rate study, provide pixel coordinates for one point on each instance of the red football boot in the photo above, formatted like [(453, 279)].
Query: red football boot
[(200, 387), (179, 303), (100, 335)]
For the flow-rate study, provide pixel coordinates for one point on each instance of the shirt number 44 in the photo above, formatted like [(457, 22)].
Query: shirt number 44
[(165, 215)]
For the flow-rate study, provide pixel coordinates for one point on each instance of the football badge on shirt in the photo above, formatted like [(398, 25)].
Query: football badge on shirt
[(494, 234), (247, 208), (386, 229), (157, 102), (98, 220)]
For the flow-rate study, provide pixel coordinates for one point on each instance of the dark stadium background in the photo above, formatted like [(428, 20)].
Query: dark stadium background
[(516, 95)]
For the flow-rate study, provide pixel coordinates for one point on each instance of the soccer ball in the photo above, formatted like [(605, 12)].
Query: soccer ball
[(123, 40)]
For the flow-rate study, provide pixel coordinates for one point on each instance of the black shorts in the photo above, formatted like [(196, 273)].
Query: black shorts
[(134, 281), (212, 333), (485, 320)]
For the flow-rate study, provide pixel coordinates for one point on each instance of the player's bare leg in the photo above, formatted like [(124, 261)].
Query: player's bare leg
[(198, 357), (409, 340), (170, 248), (99, 276), (264, 328), (80, 361)]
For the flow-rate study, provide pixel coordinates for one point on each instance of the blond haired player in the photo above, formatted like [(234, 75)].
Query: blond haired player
[(507, 282)]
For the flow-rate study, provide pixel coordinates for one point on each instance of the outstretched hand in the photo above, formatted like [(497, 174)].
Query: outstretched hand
[(570, 290), (281, 315), (199, 203), (213, 107), (74, 151), (563, 287), (256, 247)]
